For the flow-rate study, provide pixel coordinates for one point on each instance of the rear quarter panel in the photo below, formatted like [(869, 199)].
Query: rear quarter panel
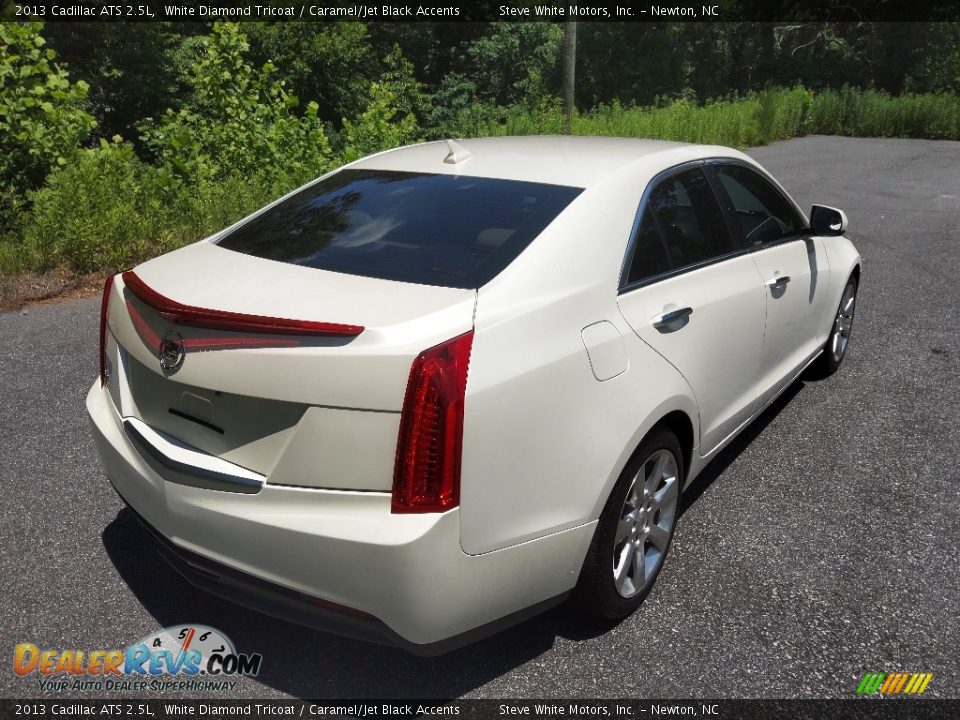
[(544, 440)]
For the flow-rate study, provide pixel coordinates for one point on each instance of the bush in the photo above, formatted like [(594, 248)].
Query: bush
[(871, 113), (235, 146), (97, 212), (237, 121), (376, 129), (107, 210), (455, 112), (42, 119)]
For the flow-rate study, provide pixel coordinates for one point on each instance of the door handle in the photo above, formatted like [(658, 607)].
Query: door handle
[(777, 281), (665, 322)]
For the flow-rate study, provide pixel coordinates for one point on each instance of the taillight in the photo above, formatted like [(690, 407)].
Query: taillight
[(427, 471), (104, 308)]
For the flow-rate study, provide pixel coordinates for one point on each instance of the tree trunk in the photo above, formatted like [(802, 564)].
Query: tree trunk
[(569, 71)]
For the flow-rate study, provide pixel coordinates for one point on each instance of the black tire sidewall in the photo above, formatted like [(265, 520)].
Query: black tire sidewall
[(596, 592), (831, 364)]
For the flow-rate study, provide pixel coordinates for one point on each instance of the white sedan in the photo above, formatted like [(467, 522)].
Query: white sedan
[(447, 386)]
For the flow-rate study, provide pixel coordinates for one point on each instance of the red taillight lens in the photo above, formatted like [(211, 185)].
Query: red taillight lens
[(104, 308), (427, 471)]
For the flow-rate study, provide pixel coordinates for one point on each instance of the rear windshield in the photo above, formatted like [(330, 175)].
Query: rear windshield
[(412, 227)]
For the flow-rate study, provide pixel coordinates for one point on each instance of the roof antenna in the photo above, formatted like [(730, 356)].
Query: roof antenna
[(457, 153)]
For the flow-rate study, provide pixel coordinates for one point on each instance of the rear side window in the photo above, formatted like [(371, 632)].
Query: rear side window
[(422, 228), (689, 218), (649, 252), (762, 211)]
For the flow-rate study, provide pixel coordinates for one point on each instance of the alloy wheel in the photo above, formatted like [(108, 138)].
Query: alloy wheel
[(843, 323), (646, 524)]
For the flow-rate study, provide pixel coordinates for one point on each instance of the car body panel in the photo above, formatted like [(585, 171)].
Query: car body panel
[(794, 309), (559, 160), (566, 280), (399, 320), (343, 547), (718, 351), (322, 412)]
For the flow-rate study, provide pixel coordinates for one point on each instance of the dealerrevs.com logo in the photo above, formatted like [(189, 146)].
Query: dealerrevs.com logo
[(182, 657)]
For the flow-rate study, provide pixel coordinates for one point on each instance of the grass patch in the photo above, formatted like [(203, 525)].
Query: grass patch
[(757, 118)]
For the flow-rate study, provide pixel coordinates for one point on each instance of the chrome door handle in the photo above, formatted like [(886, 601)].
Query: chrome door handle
[(778, 280), (665, 321)]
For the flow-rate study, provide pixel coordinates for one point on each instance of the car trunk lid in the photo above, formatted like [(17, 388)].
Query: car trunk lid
[(300, 406)]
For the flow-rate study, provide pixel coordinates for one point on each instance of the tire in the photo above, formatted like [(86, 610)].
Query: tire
[(629, 521), (835, 349)]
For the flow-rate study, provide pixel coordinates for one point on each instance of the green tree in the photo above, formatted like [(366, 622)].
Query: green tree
[(399, 75), (43, 118), (630, 62), (331, 63), (434, 49), (454, 110), (132, 68), (937, 66), (378, 127), (238, 121), (516, 63)]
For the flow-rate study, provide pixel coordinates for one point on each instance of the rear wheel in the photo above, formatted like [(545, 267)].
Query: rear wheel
[(635, 530), (835, 349)]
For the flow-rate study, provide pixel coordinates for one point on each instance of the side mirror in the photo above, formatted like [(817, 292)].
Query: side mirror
[(826, 220)]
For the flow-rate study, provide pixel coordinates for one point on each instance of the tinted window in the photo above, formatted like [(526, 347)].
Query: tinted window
[(763, 212), (689, 218), (422, 228), (649, 252)]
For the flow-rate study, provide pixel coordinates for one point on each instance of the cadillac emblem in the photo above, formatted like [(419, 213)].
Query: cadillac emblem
[(172, 351)]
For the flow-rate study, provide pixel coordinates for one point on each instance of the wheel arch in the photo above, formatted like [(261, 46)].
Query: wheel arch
[(594, 590), (677, 416), (680, 424)]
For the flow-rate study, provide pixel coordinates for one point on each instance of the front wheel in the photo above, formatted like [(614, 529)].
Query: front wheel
[(635, 530), (835, 349)]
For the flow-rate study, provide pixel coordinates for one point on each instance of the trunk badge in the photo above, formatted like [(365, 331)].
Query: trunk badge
[(173, 350)]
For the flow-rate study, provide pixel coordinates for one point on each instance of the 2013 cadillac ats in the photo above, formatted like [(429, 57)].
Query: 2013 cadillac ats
[(447, 385)]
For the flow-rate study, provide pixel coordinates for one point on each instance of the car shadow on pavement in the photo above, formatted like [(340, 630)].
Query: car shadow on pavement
[(740, 443), (308, 663)]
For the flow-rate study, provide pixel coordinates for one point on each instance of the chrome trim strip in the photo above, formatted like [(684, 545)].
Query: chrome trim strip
[(195, 468)]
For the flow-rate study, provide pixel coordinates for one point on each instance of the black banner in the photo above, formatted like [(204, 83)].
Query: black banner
[(872, 709), (465, 10)]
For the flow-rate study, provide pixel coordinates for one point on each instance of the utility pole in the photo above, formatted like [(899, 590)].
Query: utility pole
[(569, 52)]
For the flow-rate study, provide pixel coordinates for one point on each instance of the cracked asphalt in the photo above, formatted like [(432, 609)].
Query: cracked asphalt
[(823, 544)]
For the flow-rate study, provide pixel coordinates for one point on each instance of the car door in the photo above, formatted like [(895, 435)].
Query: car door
[(692, 294), (791, 265)]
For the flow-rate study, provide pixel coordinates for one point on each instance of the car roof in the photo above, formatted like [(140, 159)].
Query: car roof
[(576, 161)]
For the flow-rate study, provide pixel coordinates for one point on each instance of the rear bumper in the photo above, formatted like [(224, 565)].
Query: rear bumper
[(270, 598), (338, 560)]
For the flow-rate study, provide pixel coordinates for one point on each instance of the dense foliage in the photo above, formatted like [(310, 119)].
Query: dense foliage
[(42, 119), (121, 141), (235, 117)]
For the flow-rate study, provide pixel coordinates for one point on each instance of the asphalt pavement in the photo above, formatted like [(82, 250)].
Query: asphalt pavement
[(823, 544)]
